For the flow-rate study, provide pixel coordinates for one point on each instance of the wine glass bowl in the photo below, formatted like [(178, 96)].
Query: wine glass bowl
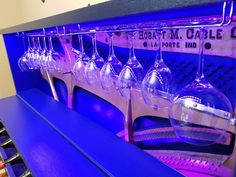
[(130, 79), (200, 114), (23, 63), (157, 86), (53, 63)]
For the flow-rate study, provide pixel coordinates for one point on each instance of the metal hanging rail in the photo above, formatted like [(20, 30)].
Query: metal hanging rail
[(225, 19)]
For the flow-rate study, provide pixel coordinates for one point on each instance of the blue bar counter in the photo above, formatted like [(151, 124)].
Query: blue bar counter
[(56, 141)]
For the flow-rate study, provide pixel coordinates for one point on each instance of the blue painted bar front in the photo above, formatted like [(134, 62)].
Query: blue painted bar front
[(45, 152), (111, 153)]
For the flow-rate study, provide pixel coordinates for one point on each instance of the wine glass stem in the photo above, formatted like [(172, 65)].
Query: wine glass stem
[(50, 43), (132, 54), (95, 51), (159, 58), (24, 44), (38, 44), (33, 42), (111, 48), (200, 72), (29, 43), (44, 43), (81, 43)]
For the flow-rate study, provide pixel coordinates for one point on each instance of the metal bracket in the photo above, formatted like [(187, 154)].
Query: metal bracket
[(200, 107), (8, 141), (216, 112), (13, 158)]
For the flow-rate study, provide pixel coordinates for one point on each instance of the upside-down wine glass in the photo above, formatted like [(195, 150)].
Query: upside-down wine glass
[(32, 56), (131, 75), (81, 61), (29, 53), (111, 69), (158, 83), (23, 60), (66, 43), (130, 83), (37, 53), (44, 53), (200, 113), (94, 64), (54, 62)]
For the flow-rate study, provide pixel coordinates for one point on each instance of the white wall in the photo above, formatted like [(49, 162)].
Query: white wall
[(35, 9), (13, 12), (7, 87), (10, 13)]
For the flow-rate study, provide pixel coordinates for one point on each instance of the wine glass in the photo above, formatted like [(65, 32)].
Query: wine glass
[(44, 54), (54, 62), (200, 113), (94, 64), (111, 69), (131, 76), (65, 63), (28, 54), (158, 83), (32, 53), (129, 83), (23, 60), (37, 53), (81, 61)]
